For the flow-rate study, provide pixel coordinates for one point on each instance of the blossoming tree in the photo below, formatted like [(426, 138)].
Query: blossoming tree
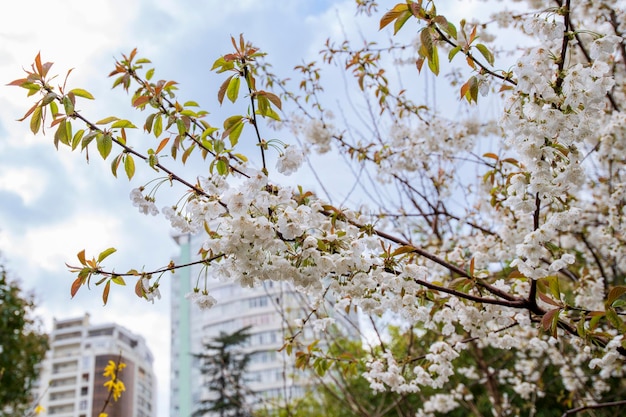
[(515, 251)]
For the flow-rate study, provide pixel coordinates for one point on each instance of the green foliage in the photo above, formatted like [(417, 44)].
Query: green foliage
[(224, 364), (22, 347), (345, 391)]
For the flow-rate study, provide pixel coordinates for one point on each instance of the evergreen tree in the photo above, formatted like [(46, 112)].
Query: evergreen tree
[(224, 364), (22, 347)]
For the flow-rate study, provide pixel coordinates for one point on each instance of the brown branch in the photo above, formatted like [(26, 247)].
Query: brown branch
[(160, 270), (593, 407)]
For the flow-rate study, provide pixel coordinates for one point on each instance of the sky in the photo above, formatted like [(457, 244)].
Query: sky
[(53, 204)]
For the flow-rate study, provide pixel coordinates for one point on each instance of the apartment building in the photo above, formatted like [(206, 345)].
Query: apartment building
[(71, 383), (269, 310)]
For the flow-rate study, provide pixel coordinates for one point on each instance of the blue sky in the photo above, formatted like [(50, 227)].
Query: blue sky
[(53, 204)]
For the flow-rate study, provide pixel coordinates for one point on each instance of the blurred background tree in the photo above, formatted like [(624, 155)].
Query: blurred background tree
[(22, 346)]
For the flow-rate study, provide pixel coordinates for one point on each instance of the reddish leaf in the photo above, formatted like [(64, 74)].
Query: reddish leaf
[(78, 282), (162, 145), (140, 101), (105, 292)]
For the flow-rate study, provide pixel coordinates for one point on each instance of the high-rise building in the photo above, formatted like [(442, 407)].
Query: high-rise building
[(71, 383), (269, 309)]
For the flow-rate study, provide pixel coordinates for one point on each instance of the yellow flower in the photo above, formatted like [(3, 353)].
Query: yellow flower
[(109, 370), (39, 409), (116, 387), (103, 415)]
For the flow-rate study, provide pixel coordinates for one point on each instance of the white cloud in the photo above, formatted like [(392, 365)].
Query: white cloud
[(27, 182)]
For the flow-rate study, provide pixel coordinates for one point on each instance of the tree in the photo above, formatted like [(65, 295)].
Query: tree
[(501, 235), (224, 365), (22, 347)]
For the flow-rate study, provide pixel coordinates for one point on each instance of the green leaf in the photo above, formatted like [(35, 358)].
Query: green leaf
[(49, 98), (486, 53), (222, 166), (68, 105), (129, 166), (105, 144), (473, 89), (232, 92), (158, 126), (87, 139), (54, 108), (107, 120), (233, 127), (222, 65), (115, 164), (118, 280), (61, 134), (149, 74), (102, 256), (614, 319), (453, 52), (427, 42), (123, 124), (191, 103), (433, 62), (555, 290), (77, 137), (182, 129), (79, 92), (401, 20), (35, 120)]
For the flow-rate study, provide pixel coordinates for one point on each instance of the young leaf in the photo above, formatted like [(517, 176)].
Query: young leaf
[(105, 253), (232, 128), (115, 164), (393, 14), (401, 20), (81, 257), (118, 280), (107, 120), (433, 62), (158, 126), (77, 137), (615, 293), (35, 120), (105, 292), (161, 145), (222, 91), (105, 144), (82, 93), (139, 289), (78, 282), (232, 91), (486, 53), (129, 166), (123, 124), (453, 52), (550, 321)]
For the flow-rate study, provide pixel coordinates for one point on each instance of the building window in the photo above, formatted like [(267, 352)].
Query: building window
[(107, 331), (84, 391)]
